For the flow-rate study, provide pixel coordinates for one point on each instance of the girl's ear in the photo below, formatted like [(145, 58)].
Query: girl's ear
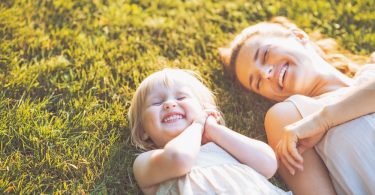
[(300, 35), (225, 54), (144, 136)]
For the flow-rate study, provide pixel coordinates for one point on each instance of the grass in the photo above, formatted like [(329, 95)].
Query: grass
[(68, 70)]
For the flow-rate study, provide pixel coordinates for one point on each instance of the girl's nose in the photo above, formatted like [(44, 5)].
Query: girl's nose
[(267, 71), (169, 104)]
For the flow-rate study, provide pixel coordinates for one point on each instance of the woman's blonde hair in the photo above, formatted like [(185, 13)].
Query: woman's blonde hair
[(280, 26), (165, 78)]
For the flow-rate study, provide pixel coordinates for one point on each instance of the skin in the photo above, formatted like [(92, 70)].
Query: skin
[(258, 68), (261, 59), (180, 139), (307, 132), (162, 103)]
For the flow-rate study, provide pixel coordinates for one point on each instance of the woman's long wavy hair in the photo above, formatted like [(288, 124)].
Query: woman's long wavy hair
[(327, 48)]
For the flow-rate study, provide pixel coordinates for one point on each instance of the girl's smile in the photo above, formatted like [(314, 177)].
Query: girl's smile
[(170, 110)]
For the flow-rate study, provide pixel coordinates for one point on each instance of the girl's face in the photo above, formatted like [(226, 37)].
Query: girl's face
[(276, 67), (169, 111)]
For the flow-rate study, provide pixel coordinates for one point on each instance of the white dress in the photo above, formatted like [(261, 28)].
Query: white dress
[(348, 150), (217, 172)]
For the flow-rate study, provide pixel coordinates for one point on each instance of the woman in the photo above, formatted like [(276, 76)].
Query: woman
[(317, 105)]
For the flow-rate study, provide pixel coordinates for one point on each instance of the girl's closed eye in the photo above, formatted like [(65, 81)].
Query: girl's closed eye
[(156, 102), (181, 98)]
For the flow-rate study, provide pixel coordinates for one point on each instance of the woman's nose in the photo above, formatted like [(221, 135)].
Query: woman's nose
[(267, 71), (169, 104)]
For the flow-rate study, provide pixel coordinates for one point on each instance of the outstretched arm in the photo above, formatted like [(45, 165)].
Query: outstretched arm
[(359, 101), (299, 136), (256, 154), (174, 160)]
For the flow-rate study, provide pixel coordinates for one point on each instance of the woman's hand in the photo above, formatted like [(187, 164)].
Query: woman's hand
[(291, 147), (298, 137)]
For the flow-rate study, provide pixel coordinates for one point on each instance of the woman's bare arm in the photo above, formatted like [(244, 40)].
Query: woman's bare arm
[(359, 101), (299, 136)]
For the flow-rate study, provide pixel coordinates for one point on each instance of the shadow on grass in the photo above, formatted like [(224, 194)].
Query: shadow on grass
[(117, 177)]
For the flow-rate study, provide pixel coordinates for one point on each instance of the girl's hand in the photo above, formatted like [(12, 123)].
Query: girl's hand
[(208, 128), (213, 119), (216, 114), (201, 118)]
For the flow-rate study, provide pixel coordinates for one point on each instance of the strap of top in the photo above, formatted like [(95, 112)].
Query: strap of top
[(305, 105)]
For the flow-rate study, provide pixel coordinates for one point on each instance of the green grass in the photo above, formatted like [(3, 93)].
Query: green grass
[(68, 70)]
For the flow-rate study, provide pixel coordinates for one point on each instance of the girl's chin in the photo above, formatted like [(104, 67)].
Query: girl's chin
[(177, 129)]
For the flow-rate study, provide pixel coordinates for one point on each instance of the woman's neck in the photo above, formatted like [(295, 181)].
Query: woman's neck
[(332, 80)]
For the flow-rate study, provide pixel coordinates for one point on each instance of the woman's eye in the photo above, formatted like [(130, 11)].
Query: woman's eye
[(181, 98), (265, 55), (258, 84)]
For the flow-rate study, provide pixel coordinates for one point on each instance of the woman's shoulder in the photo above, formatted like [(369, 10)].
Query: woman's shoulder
[(280, 115), (290, 110)]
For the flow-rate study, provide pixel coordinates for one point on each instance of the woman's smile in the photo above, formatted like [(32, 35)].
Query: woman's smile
[(282, 75)]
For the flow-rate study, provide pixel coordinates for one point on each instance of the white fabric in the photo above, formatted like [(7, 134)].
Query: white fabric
[(348, 150), (217, 172)]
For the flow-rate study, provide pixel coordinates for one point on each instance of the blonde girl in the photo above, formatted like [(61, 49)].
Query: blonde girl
[(188, 150)]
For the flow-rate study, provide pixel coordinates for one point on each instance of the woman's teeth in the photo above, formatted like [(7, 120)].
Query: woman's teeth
[(282, 74), (173, 117)]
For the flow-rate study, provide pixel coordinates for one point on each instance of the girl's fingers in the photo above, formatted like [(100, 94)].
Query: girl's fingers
[(215, 114)]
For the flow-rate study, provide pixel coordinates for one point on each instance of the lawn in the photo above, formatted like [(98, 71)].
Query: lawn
[(69, 68)]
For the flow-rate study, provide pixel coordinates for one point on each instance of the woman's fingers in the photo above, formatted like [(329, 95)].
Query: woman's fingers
[(288, 166), (293, 151), (289, 158), (288, 153)]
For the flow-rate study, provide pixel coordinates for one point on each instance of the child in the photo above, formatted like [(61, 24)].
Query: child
[(174, 117)]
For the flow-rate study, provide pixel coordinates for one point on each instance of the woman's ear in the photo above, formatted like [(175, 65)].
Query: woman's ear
[(300, 36), (225, 54)]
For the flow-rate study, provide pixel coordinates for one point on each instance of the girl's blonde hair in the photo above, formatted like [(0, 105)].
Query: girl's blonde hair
[(280, 26), (165, 78)]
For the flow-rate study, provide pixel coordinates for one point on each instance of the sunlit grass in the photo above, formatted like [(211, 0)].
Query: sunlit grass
[(68, 70)]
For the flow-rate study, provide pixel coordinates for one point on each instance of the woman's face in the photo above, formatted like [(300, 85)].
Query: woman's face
[(276, 67)]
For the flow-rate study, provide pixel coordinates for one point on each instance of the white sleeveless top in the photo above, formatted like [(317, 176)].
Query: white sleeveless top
[(217, 172), (348, 150)]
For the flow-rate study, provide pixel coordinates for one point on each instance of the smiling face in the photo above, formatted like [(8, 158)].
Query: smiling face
[(168, 111), (276, 67), (165, 103)]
